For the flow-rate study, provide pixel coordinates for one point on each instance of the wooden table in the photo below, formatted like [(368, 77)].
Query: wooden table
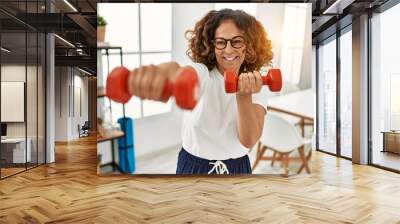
[(299, 104), (391, 141), (110, 136)]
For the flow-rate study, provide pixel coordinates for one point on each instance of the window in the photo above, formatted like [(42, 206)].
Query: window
[(346, 94), (144, 31), (385, 87), (394, 101), (327, 96), (22, 74), (120, 32), (293, 41)]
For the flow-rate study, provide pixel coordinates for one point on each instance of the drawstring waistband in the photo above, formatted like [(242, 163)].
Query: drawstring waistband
[(191, 164), (219, 167)]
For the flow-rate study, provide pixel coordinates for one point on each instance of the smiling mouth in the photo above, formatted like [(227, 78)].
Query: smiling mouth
[(230, 59)]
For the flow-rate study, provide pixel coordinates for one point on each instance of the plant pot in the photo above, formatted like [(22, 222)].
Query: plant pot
[(101, 33)]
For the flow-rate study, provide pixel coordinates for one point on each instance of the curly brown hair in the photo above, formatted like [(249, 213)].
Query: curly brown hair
[(258, 46)]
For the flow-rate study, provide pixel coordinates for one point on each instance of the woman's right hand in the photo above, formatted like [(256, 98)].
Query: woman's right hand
[(147, 82)]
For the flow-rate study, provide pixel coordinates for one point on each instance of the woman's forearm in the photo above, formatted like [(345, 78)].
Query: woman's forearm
[(249, 125)]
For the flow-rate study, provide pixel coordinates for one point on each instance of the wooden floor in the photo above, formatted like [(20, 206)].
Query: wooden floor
[(10, 171), (5, 172), (387, 159), (70, 191)]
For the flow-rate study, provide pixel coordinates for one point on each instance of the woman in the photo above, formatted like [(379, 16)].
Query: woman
[(219, 131)]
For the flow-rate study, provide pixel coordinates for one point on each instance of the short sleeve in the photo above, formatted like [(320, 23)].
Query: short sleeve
[(202, 73), (261, 98)]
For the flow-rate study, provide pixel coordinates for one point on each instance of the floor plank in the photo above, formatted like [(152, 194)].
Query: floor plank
[(69, 191)]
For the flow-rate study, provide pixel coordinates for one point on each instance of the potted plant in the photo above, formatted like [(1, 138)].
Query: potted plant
[(101, 28)]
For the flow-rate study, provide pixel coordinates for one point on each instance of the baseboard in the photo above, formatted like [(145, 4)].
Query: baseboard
[(16, 165)]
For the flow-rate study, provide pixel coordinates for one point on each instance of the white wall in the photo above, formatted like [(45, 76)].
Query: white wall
[(184, 17), (65, 120), (306, 69), (61, 103), (82, 83), (273, 27)]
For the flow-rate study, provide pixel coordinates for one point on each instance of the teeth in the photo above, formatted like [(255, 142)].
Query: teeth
[(229, 59)]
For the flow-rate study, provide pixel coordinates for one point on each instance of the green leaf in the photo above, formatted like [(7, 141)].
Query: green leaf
[(101, 21)]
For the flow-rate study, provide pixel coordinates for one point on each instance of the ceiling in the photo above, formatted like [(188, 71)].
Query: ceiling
[(75, 21), (72, 20), (328, 16)]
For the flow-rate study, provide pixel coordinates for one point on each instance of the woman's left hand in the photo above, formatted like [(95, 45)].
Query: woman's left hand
[(249, 82)]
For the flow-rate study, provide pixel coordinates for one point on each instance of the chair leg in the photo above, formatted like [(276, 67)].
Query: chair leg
[(302, 127), (258, 147), (259, 156), (285, 161), (273, 158), (309, 155), (304, 160)]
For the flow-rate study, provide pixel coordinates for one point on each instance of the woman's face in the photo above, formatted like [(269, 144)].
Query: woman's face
[(231, 56)]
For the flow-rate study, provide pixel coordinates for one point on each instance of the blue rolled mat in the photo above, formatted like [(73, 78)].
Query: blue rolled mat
[(126, 151)]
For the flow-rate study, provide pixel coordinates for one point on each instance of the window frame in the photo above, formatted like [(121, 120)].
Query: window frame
[(140, 53), (334, 37)]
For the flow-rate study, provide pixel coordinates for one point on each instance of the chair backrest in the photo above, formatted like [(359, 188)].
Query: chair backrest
[(280, 134), (86, 125)]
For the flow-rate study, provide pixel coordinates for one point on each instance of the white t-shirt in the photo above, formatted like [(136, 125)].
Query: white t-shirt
[(209, 131)]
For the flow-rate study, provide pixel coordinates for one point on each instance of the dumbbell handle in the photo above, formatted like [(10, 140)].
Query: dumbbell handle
[(117, 85)]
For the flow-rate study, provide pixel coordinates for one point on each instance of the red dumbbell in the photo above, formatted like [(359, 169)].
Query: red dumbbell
[(273, 80), (184, 88)]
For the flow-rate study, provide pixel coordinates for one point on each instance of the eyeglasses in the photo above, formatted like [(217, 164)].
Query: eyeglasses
[(236, 42)]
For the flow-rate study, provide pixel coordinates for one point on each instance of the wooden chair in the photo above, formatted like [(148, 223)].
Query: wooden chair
[(280, 136)]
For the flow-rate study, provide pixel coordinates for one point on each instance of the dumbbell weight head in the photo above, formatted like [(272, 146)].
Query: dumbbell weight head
[(231, 82), (185, 89), (273, 79), (116, 86)]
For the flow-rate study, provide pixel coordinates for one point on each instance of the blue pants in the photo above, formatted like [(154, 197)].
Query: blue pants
[(190, 164)]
